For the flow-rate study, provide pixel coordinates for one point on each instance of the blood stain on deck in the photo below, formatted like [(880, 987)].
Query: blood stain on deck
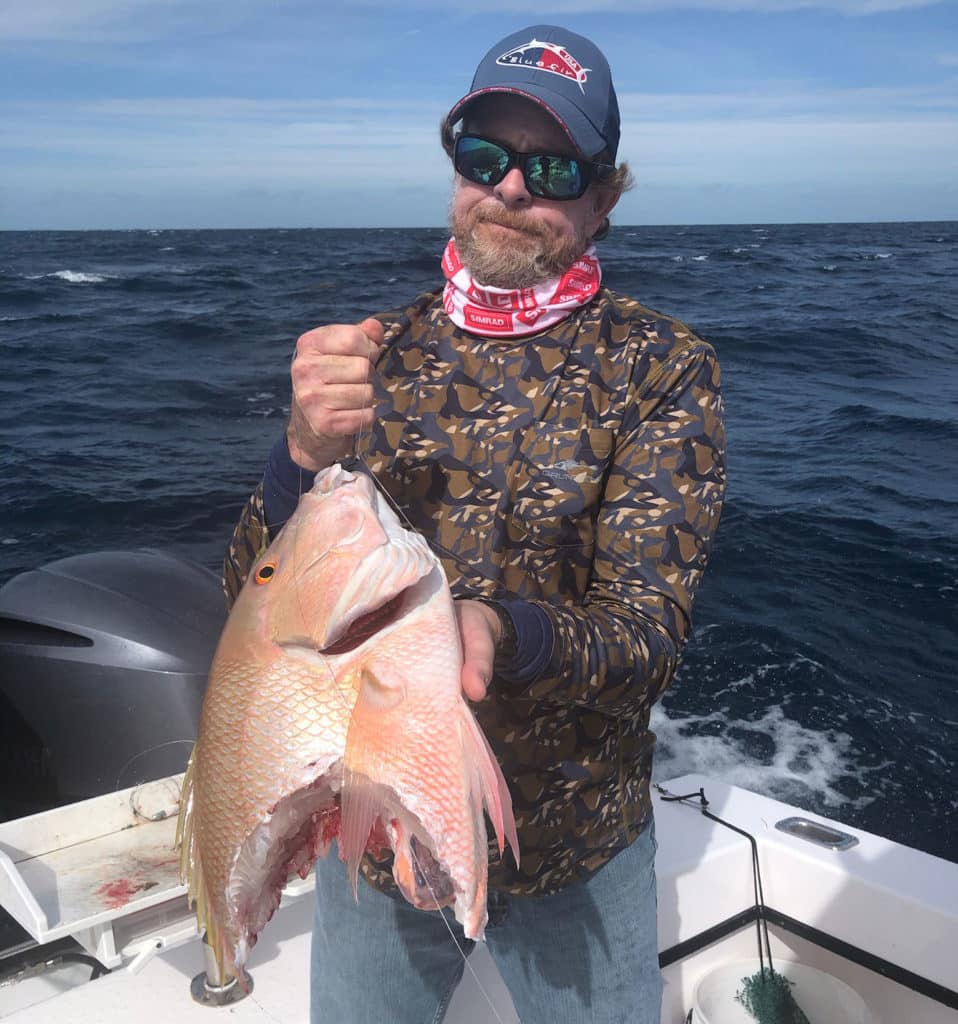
[(117, 894)]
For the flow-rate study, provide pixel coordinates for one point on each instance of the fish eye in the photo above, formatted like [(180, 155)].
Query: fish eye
[(265, 572)]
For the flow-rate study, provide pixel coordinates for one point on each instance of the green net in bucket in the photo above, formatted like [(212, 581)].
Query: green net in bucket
[(767, 995)]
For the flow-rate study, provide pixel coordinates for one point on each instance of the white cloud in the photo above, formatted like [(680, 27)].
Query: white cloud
[(234, 140), (114, 158), (906, 125), (242, 108), (82, 19), (684, 139), (783, 99), (849, 7), (138, 20), (120, 21), (775, 152), (905, 136)]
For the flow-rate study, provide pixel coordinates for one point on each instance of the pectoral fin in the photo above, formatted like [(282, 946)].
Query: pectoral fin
[(487, 783), (363, 801)]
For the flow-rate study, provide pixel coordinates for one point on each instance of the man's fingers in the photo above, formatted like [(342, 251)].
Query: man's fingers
[(473, 683), (373, 330), (331, 412), (340, 340), (318, 370), (313, 397), (477, 629), (345, 422)]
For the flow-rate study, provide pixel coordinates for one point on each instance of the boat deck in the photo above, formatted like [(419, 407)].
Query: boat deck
[(878, 904)]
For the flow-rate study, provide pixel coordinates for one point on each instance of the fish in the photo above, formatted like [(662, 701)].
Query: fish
[(333, 711)]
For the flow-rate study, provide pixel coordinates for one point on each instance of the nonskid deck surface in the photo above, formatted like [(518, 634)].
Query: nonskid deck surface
[(881, 899)]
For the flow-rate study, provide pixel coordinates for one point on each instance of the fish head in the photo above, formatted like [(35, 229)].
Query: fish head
[(338, 570)]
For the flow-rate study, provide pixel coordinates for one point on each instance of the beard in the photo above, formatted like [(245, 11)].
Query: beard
[(527, 256)]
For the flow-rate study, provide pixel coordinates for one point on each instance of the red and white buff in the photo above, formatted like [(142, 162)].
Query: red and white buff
[(514, 312)]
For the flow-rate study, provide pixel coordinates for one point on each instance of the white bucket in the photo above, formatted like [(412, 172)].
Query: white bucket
[(822, 998)]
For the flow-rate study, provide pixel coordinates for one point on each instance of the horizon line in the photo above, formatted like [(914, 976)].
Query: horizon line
[(440, 227)]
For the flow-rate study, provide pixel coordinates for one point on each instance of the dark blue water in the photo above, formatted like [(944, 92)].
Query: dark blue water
[(144, 378)]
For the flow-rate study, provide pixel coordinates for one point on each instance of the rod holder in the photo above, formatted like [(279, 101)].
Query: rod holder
[(213, 989)]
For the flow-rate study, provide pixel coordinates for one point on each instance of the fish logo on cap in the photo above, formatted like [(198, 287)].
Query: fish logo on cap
[(546, 57)]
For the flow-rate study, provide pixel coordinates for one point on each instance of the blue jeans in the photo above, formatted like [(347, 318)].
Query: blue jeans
[(587, 955)]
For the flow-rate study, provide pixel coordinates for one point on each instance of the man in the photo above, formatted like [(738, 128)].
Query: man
[(562, 449)]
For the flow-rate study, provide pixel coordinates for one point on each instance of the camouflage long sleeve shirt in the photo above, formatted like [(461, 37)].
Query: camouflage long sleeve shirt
[(583, 470)]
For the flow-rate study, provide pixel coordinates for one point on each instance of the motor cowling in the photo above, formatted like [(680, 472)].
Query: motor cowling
[(104, 660)]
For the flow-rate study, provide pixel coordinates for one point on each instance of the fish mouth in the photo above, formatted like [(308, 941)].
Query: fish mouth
[(364, 627), (372, 622), (384, 586), (368, 625)]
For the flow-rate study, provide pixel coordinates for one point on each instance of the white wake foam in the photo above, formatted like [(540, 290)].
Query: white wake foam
[(773, 755), (76, 277)]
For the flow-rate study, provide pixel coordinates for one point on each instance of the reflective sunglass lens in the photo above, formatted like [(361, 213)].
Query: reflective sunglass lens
[(483, 162), (554, 177)]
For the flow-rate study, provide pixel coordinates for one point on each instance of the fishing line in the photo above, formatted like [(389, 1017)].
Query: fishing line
[(767, 994), (263, 1009), (438, 907), (339, 690), (424, 876), (358, 436), (358, 461), (452, 935), (360, 458), (143, 753)]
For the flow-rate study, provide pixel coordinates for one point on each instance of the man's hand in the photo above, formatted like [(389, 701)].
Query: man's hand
[(332, 376), (480, 629)]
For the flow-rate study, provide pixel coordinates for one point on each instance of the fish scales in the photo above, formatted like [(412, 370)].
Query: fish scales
[(334, 710)]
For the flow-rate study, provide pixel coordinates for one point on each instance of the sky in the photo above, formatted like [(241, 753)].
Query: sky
[(287, 113)]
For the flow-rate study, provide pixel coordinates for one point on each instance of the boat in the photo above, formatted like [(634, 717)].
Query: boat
[(864, 928)]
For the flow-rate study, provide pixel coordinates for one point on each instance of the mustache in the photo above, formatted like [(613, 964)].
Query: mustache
[(504, 218)]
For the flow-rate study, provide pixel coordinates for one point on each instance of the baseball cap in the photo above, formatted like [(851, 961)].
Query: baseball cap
[(564, 72)]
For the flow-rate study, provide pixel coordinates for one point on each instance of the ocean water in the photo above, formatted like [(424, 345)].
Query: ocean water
[(144, 378)]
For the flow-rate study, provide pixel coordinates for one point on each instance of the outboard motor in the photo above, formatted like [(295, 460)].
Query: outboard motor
[(104, 659)]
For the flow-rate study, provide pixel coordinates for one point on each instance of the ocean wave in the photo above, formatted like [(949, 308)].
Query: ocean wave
[(871, 256), (419, 263), (860, 419), (73, 277)]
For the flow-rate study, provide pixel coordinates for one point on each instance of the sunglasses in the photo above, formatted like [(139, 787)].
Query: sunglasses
[(485, 162)]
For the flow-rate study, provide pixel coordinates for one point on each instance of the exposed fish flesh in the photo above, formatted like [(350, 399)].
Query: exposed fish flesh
[(334, 710)]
